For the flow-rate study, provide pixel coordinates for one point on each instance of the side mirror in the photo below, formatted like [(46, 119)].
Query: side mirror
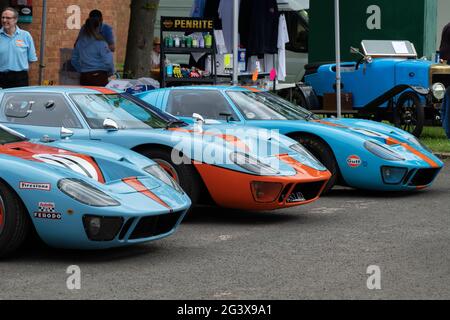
[(198, 118), (110, 125), (199, 121), (65, 133)]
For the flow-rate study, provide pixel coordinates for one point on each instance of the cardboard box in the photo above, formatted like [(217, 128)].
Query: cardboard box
[(329, 101)]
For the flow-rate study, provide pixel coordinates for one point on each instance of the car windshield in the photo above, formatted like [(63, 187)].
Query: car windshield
[(128, 115), (8, 137), (266, 106)]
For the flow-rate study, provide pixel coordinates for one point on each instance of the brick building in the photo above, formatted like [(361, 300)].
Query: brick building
[(59, 36)]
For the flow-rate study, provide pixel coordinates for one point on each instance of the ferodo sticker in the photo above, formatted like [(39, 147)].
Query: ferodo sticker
[(354, 161), (48, 216), (35, 186)]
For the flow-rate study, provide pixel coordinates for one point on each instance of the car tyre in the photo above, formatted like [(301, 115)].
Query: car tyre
[(409, 114), (14, 221), (324, 154), (185, 174)]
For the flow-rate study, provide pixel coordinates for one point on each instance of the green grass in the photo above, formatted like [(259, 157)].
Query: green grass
[(435, 139)]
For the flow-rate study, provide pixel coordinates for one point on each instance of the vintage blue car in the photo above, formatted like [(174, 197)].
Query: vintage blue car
[(387, 82), (228, 166), (359, 153), (83, 195)]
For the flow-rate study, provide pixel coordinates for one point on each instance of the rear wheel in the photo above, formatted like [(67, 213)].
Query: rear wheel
[(409, 113), (324, 154), (184, 173), (14, 221)]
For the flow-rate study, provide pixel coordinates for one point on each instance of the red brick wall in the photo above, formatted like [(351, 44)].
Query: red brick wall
[(115, 13)]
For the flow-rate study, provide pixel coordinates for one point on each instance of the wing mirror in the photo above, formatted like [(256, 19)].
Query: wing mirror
[(110, 125), (199, 121), (65, 133)]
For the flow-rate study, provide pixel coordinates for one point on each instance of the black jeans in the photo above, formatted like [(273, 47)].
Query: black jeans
[(13, 79)]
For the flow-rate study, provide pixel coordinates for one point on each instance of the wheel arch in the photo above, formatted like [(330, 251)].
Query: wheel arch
[(295, 134)]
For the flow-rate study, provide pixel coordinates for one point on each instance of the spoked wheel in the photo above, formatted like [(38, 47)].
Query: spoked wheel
[(14, 221), (324, 154), (409, 113), (184, 173)]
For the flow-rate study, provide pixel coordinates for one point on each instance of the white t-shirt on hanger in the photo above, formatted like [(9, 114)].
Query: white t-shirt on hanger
[(283, 38)]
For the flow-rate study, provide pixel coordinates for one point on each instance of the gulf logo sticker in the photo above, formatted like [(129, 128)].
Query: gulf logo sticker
[(354, 161)]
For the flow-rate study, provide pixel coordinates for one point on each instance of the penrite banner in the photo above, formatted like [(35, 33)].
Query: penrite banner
[(186, 24)]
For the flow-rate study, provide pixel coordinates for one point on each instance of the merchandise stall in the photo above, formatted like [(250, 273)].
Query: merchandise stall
[(182, 36)]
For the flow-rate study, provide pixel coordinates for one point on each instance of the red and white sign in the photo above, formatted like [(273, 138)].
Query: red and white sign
[(354, 161)]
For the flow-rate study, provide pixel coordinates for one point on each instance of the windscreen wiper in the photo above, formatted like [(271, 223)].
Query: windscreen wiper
[(175, 124)]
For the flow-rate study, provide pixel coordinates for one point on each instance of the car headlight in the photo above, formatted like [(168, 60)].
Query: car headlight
[(382, 152), (438, 90), (303, 151), (308, 155), (85, 193), (253, 165), (159, 173)]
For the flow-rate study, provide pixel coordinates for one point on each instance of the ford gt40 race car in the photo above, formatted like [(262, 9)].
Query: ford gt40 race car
[(83, 195), (230, 166), (359, 153)]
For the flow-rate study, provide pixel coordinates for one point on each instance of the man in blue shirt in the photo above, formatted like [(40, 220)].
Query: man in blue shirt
[(16, 51), (105, 30)]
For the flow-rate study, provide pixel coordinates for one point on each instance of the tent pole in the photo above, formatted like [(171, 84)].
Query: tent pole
[(338, 58), (235, 41), (42, 46)]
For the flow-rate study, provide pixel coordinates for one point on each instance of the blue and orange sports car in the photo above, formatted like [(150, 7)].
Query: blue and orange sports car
[(359, 153), (231, 166), (83, 195)]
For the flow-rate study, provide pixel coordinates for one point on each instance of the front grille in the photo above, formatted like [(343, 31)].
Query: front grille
[(155, 225), (424, 177), (125, 228), (442, 78), (309, 190)]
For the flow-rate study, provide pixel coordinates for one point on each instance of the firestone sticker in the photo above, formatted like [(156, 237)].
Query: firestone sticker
[(354, 161), (35, 186)]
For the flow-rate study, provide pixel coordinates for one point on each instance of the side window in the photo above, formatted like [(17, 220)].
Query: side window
[(208, 103), (47, 110), (297, 24)]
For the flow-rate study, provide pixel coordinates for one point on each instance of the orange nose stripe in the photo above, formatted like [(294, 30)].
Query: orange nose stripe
[(139, 187), (392, 141)]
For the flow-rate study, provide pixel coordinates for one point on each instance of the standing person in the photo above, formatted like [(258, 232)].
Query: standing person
[(16, 51), (105, 30), (444, 49), (156, 53), (92, 56)]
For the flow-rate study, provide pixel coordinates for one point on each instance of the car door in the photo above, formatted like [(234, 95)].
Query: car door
[(37, 114)]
